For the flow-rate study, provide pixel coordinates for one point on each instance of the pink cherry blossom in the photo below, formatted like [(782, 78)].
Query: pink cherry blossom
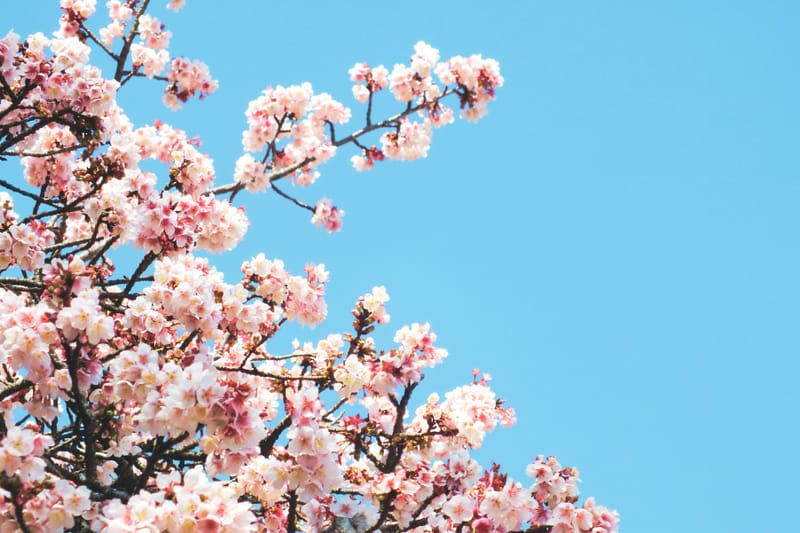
[(151, 60), (80, 8), (459, 508), (184, 80), (251, 173), (328, 215), (411, 141)]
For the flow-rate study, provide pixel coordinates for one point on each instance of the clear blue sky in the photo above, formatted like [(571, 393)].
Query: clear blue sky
[(616, 243)]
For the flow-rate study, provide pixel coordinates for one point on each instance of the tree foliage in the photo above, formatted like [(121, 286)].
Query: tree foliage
[(148, 398)]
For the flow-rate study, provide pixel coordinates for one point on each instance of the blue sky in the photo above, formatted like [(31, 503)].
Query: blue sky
[(615, 243)]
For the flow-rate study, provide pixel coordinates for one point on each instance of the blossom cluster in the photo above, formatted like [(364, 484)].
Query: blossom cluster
[(328, 215), (52, 509), (51, 77), (185, 79), (314, 469), (292, 124), (298, 298), (21, 453), (473, 79), (174, 221), (369, 80), (295, 128), (192, 170), (149, 52), (188, 502), (27, 337), (23, 245)]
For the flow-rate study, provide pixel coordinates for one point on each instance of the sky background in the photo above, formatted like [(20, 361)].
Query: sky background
[(615, 242)]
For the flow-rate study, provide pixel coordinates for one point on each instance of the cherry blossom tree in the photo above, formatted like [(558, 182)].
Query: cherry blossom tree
[(146, 397)]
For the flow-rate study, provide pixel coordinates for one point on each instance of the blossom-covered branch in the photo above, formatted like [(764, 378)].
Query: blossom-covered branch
[(145, 396)]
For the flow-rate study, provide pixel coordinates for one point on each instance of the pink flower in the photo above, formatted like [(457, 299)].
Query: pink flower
[(411, 141), (117, 10), (424, 59), (80, 8), (185, 79), (477, 79), (101, 329), (18, 441), (151, 60), (553, 484), (375, 304), (361, 93), (459, 508), (76, 500), (84, 315), (251, 173), (327, 215), (359, 72), (152, 32)]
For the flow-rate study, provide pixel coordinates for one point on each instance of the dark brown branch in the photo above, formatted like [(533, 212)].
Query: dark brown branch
[(14, 388), (18, 512), (107, 492), (369, 108), (136, 74), (291, 198), (291, 520), (98, 42), (48, 153), (160, 447), (143, 265), (54, 118), (86, 417), (257, 372), (74, 205), (267, 444), (67, 244), (20, 282), (396, 449), (93, 255), (128, 41), (27, 194)]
